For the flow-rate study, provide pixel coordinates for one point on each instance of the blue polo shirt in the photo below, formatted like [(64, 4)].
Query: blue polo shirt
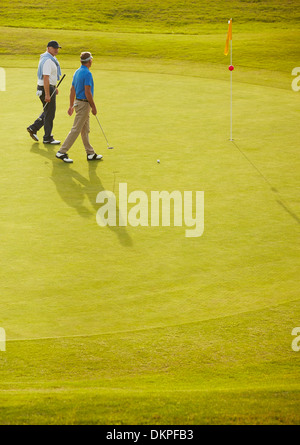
[(82, 77)]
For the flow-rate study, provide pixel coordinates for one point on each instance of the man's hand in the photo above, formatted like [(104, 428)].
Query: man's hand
[(94, 110), (47, 98), (70, 111), (56, 91)]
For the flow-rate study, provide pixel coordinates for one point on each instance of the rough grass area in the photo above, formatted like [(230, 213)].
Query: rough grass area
[(250, 50), (184, 374), (183, 16)]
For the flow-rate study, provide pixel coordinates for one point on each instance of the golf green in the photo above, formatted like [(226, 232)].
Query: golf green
[(140, 324)]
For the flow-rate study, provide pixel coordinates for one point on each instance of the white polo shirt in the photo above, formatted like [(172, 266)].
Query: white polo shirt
[(49, 69)]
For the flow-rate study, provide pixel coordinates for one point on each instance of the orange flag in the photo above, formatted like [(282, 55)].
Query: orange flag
[(229, 37)]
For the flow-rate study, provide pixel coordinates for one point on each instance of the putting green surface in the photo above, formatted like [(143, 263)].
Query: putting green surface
[(141, 324)]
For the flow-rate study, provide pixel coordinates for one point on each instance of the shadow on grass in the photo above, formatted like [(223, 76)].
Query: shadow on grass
[(283, 204), (73, 188)]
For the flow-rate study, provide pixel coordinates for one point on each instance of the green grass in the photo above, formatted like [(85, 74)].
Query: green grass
[(181, 374), (153, 16), (203, 49), (163, 322), (142, 325)]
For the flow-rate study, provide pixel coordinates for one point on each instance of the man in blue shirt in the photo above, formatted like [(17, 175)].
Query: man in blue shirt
[(81, 99)]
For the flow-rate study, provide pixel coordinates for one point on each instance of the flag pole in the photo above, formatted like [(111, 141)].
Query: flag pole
[(231, 67), (231, 91)]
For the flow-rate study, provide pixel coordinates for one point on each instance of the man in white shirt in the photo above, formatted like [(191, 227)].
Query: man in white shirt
[(48, 73)]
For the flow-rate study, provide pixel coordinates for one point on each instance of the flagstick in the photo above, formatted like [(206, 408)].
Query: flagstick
[(231, 92), (231, 68)]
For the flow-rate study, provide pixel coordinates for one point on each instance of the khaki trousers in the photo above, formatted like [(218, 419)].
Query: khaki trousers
[(81, 125)]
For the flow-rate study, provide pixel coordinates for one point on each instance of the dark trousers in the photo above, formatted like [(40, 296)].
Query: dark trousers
[(47, 117)]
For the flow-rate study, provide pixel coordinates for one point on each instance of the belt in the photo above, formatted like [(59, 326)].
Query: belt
[(41, 87), (82, 100)]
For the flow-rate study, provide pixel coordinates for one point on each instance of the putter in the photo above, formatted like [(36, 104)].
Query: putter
[(40, 116), (108, 146)]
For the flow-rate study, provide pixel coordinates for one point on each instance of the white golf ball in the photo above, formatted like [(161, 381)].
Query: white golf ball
[(158, 161)]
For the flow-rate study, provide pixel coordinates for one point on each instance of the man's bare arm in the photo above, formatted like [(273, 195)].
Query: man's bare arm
[(89, 96), (72, 98), (47, 88)]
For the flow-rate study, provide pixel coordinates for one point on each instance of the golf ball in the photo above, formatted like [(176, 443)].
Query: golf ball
[(158, 161)]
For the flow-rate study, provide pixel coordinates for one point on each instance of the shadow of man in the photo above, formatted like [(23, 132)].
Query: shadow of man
[(73, 188), (95, 186), (68, 182), (279, 200)]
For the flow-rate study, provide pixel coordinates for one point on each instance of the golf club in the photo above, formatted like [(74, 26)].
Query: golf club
[(108, 146), (41, 115), (54, 91)]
